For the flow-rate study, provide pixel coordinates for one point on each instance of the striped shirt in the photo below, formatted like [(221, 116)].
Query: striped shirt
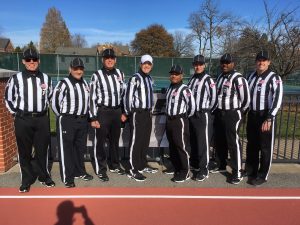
[(28, 93), (204, 91), (232, 92), (71, 96), (180, 100), (266, 92), (107, 89), (139, 93)]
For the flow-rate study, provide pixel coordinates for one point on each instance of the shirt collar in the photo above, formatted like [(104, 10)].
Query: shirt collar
[(36, 73), (109, 72), (74, 81)]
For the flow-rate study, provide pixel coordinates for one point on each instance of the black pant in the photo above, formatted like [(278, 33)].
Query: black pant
[(140, 130), (226, 129), (177, 131), (110, 128), (200, 136), (33, 133), (260, 145), (72, 139)]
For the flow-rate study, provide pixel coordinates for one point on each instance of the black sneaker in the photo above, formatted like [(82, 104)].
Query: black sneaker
[(201, 176), (168, 171), (137, 176), (180, 179), (49, 183), (148, 170), (258, 181), (103, 177), (218, 170), (119, 171), (87, 177), (69, 184), (24, 188), (235, 180)]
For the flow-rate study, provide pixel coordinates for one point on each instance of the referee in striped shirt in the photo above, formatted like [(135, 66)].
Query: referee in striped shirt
[(27, 97), (180, 104), (232, 101), (70, 104), (138, 104), (266, 98), (204, 91), (107, 87)]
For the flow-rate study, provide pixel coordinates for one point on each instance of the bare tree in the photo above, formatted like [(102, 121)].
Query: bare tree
[(183, 44), (54, 32), (78, 41), (283, 33)]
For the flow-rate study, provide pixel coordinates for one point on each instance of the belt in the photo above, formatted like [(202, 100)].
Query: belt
[(30, 114), (74, 116), (141, 110), (177, 116), (108, 107)]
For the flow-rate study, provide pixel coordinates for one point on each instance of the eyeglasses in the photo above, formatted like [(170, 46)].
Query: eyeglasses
[(29, 60), (225, 62)]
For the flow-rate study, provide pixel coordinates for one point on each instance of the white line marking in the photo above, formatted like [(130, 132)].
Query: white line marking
[(149, 197)]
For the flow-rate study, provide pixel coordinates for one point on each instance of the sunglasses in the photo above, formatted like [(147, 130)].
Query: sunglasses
[(175, 74), (29, 60)]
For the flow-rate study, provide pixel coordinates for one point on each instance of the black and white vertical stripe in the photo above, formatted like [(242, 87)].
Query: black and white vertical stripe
[(204, 91), (266, 92), (106, 89), (232, 92), (180, 100), (70, 97), (139, 93), (28, 93)]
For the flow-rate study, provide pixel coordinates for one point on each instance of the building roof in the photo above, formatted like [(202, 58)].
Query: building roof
[(76, 51), (4, 42)]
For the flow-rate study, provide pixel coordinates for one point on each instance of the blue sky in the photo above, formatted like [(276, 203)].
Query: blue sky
[(115, 20)]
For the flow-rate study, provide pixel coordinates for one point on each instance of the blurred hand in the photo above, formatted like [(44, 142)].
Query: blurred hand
[(95, 124), (123, 118), (266, 126)]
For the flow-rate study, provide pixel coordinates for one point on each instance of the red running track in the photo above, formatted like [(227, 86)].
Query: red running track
[(155, 206)]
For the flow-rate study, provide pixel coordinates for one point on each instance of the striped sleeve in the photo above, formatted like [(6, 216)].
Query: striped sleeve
[(50, 88), (93, 107), (277, 91), (10, 94), (129, 92), (190, 102), (212, 90), (58, 96), (243, 92)]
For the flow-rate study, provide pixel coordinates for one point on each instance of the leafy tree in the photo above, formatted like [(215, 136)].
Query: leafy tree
[(54, 32), (153, 40), (79, 41), (18, 49)]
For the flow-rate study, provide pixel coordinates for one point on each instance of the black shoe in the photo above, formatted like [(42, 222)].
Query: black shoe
[(235, 180), (168, 171), (137, 176), (201, 176), (87, 177), (69, 184), (258, 181), (218, 170), (148, 170), (103, 177), (49, 183), (119, 171), (24, 188), (178, 178)]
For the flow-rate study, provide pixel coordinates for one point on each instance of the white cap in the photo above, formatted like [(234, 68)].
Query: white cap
[(146, 58)]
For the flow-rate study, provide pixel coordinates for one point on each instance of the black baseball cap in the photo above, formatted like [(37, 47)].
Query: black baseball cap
[(262, 55), (30, 53), (108, 53), (176, 69), (77, 62), (199, 59), (226, 58)]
